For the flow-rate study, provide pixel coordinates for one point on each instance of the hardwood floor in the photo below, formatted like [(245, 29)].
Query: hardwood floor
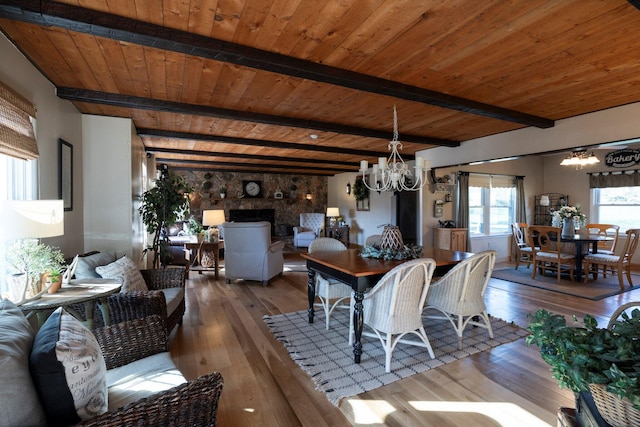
[(223, 331)]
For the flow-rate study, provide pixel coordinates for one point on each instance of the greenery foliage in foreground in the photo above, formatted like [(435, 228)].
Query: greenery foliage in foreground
[(584, 354)]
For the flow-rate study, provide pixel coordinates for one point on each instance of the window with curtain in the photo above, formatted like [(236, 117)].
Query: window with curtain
[(492, 199), (615, 198)]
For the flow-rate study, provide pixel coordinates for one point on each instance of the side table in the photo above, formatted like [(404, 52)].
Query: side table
[(340, 232), (85, 291), (196, 256)]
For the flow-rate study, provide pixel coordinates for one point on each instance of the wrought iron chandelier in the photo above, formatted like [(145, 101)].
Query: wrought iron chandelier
[(393, 174)]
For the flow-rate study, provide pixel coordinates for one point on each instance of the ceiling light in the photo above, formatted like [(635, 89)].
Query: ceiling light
[(393, 174), (579, 159)]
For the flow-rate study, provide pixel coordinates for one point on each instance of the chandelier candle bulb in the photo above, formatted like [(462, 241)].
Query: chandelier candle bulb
[(419, 162), (382, 163), (364, 165)]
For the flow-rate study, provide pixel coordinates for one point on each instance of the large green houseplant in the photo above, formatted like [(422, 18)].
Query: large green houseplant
[(582, 354), (162, 205)]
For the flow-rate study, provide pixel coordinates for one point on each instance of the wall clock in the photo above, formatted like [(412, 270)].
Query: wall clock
[(252, 188)]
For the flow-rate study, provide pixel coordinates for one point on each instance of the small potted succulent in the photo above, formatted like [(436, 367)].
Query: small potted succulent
[(585, 358), (223, 191)]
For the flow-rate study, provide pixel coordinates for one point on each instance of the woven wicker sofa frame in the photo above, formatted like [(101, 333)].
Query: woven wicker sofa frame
[(139, 304), (194, 403)]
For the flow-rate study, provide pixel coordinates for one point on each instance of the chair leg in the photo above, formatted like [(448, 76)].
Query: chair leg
[(388, 350), (628, 268), (621, 278)]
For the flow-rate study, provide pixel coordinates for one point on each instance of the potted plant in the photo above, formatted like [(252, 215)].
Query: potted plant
[(207, 184), (30, 262), (162, 205), (294, 188), (195, 228), (223, 191), (583, 357)]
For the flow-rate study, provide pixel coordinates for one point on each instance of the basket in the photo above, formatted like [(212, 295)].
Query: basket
[(616, 411), (391, 238)]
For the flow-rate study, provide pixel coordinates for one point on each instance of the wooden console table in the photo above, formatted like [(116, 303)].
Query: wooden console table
[(199, 249), (339, 233)]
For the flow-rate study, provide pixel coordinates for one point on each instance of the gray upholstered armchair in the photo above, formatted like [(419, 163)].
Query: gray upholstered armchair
[(311, 226), (249, 253)]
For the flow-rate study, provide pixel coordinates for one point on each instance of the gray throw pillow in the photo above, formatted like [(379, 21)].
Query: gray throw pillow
[(19, 403), (86, 268)]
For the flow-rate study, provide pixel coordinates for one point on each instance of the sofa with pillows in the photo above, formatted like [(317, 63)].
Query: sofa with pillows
[(144, 292), (114, 376)]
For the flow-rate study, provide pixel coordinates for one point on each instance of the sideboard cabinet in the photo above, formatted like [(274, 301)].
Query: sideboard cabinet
[(453, 239)]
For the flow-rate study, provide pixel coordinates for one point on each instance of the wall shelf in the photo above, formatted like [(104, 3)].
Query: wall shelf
[(542, 214)]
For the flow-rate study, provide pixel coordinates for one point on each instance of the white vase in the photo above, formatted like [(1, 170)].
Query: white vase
[(568, 229)]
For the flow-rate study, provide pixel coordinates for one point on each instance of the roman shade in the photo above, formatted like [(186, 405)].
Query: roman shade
[(17, 138)]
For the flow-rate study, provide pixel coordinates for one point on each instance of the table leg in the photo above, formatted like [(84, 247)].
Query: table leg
[(216, 259), (579, 258), (187, 262), (358, 321), (88, 312), (311, 292), (103, 304)]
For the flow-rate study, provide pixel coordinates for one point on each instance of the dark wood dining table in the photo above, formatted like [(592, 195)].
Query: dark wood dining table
[(580, 240), (363, 273)]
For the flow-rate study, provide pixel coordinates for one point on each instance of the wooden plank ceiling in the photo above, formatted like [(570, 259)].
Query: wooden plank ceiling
[(243, 85)]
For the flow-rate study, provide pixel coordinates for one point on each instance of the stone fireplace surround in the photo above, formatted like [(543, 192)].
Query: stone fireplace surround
[(252, 215)]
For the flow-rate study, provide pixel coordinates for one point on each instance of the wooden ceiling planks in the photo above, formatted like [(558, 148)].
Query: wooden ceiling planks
[(547, 59)]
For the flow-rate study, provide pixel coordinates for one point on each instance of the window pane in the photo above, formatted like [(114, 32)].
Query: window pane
[(501, 218), (617, 205), (476, 220)]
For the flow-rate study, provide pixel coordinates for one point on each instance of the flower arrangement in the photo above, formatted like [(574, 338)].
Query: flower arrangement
[(569, 212)]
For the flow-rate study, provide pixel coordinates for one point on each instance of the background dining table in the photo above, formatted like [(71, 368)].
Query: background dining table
[(580, 240)]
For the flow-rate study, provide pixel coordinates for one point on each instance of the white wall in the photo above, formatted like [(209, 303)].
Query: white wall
[(111, 159), (55, 119)]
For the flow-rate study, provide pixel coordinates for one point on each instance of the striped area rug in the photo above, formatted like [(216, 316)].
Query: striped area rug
[(328, 359)]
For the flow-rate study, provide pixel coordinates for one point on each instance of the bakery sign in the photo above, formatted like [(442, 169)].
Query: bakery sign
[(622, 158)]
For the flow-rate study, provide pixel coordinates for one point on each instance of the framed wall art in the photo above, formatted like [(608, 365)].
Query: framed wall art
[(65, 171)]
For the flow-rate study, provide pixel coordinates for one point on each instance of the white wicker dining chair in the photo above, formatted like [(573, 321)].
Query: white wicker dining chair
[(459, 294), (393, 307), (328, 289)]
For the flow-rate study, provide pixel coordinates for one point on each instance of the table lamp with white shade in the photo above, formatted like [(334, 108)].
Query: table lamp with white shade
[(25, 221), (212, 219), (333, 213)]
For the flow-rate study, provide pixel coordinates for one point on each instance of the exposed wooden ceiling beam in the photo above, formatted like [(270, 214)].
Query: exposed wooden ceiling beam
[(165, 134), (127, 101), (348, 166), (235, 167), (114, 27)]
